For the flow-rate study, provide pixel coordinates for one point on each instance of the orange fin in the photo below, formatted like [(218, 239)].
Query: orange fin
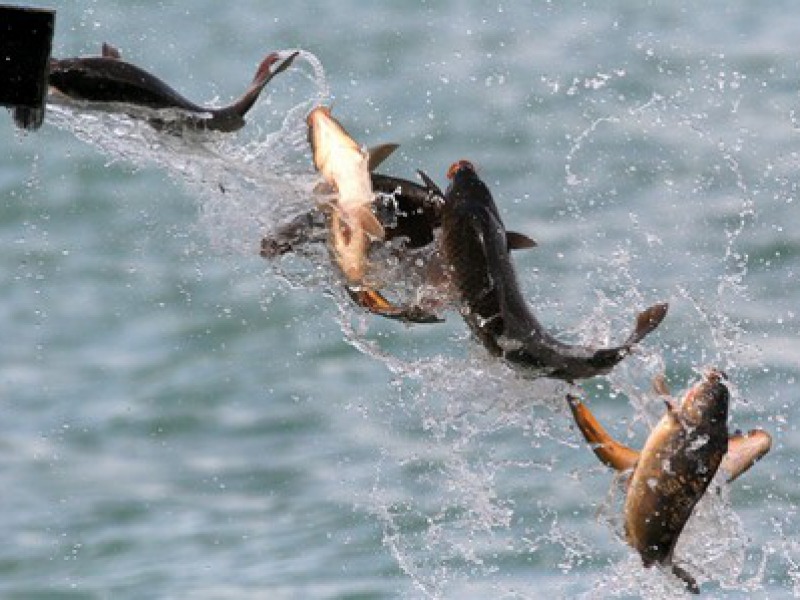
[(610, 452), (744, 450), (376, 303)]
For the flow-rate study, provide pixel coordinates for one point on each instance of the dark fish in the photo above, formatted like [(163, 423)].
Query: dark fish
[(476, 245), (407, 209), (346, 171), (109, 79), (675, 467)]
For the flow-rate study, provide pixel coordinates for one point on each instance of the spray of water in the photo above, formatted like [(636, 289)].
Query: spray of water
[(454, 527)]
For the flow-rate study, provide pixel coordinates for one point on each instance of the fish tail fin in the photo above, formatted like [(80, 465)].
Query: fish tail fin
[(660, 385), (646, 322), (274, 63)]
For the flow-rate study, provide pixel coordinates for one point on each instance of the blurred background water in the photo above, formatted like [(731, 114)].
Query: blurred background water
[(181, 419)]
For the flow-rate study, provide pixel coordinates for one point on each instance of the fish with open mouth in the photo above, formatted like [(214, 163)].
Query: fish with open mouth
[(476, 246), (676, 465), (116, 85)]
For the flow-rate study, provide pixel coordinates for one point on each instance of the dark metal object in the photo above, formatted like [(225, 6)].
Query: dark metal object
[(26, 37)]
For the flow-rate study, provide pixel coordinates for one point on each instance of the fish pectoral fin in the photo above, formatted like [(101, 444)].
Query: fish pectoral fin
[(609, 451), (305, 228), (660, 385), (373, 301), (683, 575), (323, 188), (328, 206), (646, 322), (370, 223), (109, 51), (519, 241), (744, 450), (378, 154)]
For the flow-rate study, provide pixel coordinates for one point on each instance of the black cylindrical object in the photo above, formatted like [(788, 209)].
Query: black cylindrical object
[(26, 38)]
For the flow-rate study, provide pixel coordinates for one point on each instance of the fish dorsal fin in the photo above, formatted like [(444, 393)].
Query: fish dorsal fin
[(378, 154), (109, 51), (609, 451), (429, 183), (519, 241), (744, 450)]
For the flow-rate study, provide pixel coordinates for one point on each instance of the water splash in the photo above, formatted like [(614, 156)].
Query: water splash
[(454, 526)]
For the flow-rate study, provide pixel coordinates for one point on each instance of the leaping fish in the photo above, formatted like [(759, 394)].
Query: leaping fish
[(344, 165), (347, 168), (476, 246), (108, 79), (675, 467)]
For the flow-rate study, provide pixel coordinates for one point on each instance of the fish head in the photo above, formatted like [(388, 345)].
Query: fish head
[(706, 403), (315, 121), (467, 190), (465, 185), (333, 149), (462, 166)]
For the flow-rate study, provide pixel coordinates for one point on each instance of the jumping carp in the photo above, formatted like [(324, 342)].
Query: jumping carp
[(675, 467), (477, 247)]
